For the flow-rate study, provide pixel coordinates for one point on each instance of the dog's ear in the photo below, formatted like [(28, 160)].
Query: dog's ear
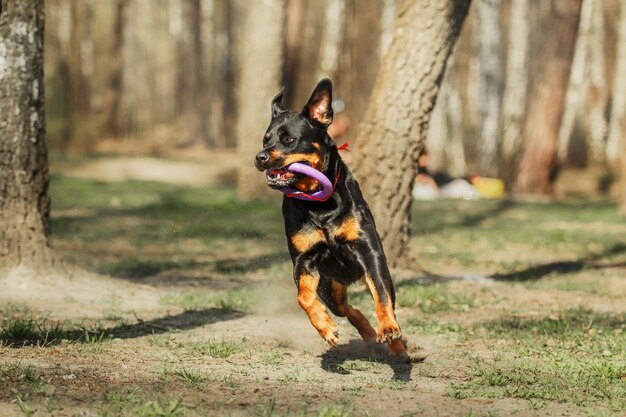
[(277, 104), (319, 108)]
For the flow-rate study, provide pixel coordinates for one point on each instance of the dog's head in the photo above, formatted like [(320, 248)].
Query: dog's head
[(297, 137)]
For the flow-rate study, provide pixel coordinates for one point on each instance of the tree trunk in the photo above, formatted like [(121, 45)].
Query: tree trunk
[(78, 103), (331, 40), (514, 99), (553, 35), (224, 106), (394, 129), (260, 62), (200, 101), (597, 96), (114, 94), (311, 38), (24, 202), (618, 108), (622, 191), (359, 56), (294, 38), (445, 133), (490, 85)]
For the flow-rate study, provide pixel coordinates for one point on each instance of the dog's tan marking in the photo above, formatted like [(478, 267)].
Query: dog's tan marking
[(314, 159), (307, 298), (275, 154), (307, 185), (388, 328), (349, 230), (305, 239)]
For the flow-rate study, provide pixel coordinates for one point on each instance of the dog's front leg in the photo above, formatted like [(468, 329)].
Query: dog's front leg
[(389, 331), (307, 282)]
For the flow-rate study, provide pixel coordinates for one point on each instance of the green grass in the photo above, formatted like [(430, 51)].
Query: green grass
[(577, 357), (148, 214), (433, 298), (225, 302), (485, 234), (215, 348)]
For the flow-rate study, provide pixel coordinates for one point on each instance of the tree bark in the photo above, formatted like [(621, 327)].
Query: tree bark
[(24, 202), (394, 129), (553, 35), (260, 61), (114, 94)]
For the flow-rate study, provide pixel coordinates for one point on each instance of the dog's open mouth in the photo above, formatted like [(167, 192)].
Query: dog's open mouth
[(281, 178)]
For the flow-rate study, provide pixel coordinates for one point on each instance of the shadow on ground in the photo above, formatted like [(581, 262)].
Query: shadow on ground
[(334, 360), (536, 272), (28, 331)]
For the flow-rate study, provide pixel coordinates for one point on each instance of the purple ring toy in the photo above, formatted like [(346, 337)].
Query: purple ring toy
[(322, 195)]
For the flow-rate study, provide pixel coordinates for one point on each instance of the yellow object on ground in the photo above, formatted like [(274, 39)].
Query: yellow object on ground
[(488, 187)]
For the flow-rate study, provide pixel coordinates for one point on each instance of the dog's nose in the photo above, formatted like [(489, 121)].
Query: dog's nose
[(262, 157)]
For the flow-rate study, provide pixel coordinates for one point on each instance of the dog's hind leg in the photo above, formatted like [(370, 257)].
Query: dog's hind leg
[(310, 303), (338, 304)]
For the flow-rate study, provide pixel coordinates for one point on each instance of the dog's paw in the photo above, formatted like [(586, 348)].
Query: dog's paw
[(388, 333), (330, 334)]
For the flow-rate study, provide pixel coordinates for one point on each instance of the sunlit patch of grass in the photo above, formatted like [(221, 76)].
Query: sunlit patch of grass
[(575, 357), (225, 302), (215, 348), (273, 357), (421, 326), (190, 377), (137, 402), (483, 234), (433, 298)]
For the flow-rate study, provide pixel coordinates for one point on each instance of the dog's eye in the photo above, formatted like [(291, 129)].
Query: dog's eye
[(288, 139)]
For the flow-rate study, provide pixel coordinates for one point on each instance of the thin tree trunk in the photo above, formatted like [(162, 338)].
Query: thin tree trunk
[(359, 57), (622, 191), (394, 129), (514, 99), (445, 133), (597, 98), (618, 106), (294, 38), (550, 68), (224, 106), (260, 62), (331, 39), (24, 202), (114, 94), (490, 85), (77, 92), (387, 26), (201, 107)]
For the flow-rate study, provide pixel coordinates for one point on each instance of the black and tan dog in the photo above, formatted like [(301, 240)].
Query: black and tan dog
[(332, 243)]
